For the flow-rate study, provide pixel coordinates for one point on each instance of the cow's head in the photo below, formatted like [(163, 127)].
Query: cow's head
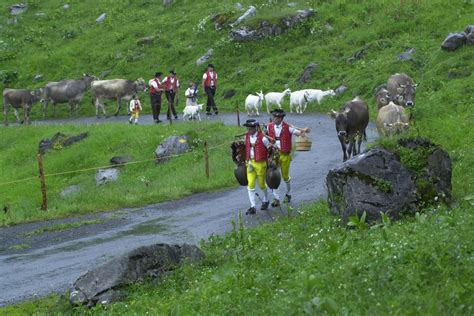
[(140, 85), (341, 123), (406, 95), (88, 79)]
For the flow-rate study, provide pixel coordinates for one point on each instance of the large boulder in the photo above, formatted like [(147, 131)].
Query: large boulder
[(100, 285), (377, 181), (173, 145)]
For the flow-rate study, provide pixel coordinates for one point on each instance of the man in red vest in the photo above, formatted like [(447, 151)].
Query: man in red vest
[(281, 132), (171, 83), (156, 90), (209, 85), (256, 153)]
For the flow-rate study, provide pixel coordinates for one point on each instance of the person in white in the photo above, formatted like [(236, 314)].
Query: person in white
[(191, 94), (135, 107)]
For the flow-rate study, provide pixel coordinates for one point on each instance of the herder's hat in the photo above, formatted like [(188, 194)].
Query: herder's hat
[(157, 74), (278, 113), (172, 72), (251, 123), (210, 66)]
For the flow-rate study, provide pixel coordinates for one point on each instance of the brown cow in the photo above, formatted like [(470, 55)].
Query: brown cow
[(351, 122), (392, 120), (403, 90), (20, 98), (382, 98)]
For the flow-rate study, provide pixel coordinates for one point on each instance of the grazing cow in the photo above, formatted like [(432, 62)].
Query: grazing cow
[(253, 103), (272, 98), (402, 89), (20, 98), (382, 98), (299, 99), (66, 91), (191, 112), (351, 122), (117, 89), (392, 120)]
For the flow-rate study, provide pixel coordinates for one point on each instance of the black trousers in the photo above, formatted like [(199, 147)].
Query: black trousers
[(211, 91), (155, 100), (170, 96)]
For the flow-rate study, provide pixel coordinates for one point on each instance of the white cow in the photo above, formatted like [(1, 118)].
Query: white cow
[(191, 112), (392, 120), (299, 99), (253, 103), (275, 98)]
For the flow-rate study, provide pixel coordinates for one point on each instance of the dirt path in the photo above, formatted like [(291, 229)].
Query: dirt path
[(54, 260)]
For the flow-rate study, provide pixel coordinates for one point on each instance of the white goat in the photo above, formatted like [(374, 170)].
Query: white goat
[(253, 103), (191, 112), (318, 95), (299, 99), (275, 98)]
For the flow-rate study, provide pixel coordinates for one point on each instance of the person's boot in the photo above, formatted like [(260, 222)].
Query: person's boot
[(287, 198), (275, 203), (251, 211), (265, 205)]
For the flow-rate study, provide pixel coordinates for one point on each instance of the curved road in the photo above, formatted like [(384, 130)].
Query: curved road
[(55, 260)]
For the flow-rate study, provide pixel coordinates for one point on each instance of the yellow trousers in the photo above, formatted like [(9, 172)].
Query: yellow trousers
[(135, 114), (285, 160), (254, 170)]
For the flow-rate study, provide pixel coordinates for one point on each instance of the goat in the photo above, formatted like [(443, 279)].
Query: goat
[(253, 103), (299, 99), (191, 112), (275, 98)]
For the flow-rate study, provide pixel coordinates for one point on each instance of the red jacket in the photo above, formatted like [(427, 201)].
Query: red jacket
[(260, 151), (285, 136), (207, 82)]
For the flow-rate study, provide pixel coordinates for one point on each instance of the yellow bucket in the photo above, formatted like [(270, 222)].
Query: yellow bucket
[(303, 143)]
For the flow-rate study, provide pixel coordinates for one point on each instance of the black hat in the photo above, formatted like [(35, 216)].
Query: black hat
[(172, 72), (157, 74), (251, 123), (278, 112), (211, 66)]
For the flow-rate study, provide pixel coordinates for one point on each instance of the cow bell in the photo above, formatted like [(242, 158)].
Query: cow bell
[(240, 173), (273, 177)]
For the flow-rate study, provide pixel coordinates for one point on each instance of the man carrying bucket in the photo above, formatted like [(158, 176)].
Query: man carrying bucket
[(281, 132), (256, 154)]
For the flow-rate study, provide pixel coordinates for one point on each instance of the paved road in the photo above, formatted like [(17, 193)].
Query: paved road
[(56, 259)]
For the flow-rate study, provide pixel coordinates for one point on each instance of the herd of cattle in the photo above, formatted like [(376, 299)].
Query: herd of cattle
[(72, 92)]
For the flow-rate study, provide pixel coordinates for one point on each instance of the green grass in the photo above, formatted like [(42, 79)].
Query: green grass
[(61, 227), (139, 184), (310, 263)]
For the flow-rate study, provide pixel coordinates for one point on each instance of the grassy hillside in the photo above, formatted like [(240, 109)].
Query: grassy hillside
[(309, 263)]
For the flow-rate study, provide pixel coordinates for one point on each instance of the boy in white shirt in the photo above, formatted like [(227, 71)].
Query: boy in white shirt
[(135, 107), (191, 94)]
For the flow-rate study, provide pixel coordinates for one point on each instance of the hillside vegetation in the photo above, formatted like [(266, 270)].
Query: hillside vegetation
[(308, 263)]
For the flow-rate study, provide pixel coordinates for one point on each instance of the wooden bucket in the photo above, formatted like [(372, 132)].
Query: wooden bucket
[(303, 143)]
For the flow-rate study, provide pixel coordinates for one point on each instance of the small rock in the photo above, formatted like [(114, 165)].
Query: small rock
[(118, 55), (106, 175), (292, 4), (340, 90), (229, 93), (39, 14), (205, 57), (469, 29), (18, 8), (70, 190), (453, 41), (66, 6), (119, 160), (38, 77), (470, 38), (239, 72), (167, 3), (329, 27), (407, 55), (146, 40), (239, 6), (101, 18)]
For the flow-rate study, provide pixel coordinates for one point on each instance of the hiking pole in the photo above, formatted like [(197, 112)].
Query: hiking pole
[(268, 212)]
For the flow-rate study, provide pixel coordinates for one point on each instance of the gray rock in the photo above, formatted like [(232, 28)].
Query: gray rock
[(340, 90), (101, 18), (239, 6), (146, 40), (144, 262), (204, 58), (119, 160), (407, 55), (359, 54), (173, 145), (18, 8), (453, 41), (470, 38), (167, 3), (229, 93), (70, 190), (38, 77), (469, 29), (251, 11), (40, 14), (329, 27), (106, 175), (292, 4), (66, 6), (307, 74), (239, 73), (59, 141)]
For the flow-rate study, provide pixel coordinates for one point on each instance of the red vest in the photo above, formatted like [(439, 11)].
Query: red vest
[(207, 83), (168, 84), (260, 151), (158, 83), (285, 136)]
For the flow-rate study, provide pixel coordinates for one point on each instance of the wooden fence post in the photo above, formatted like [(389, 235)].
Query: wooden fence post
[(238, 114), (206, 159), (44, 204)]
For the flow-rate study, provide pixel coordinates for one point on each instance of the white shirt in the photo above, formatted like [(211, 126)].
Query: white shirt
[(253, 140), (204, 77), (189, 93), (132, 105), (278, 128), (171, 79)]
